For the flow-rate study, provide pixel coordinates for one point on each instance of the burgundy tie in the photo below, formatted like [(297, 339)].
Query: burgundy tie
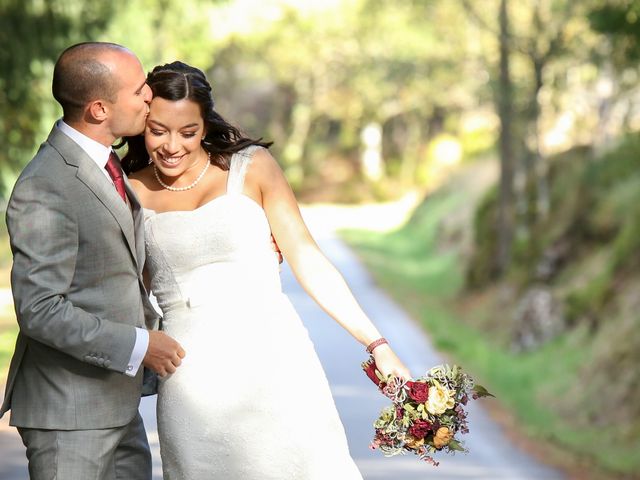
[(115, 172)]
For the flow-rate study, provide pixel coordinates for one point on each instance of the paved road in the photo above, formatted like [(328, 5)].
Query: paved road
[(491, 457)]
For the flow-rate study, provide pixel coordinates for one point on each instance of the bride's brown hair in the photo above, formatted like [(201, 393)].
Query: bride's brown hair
[(179, 81)]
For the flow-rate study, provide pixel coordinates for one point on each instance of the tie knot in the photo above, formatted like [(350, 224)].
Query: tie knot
[(114, 170)]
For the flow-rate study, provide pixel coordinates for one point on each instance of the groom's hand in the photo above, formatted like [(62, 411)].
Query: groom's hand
[(164, 354)]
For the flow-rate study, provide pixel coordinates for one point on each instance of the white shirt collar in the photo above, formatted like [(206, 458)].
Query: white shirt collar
[(96, 151)]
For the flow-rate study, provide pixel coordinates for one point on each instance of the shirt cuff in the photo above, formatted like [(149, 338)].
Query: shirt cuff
[(139, 351)]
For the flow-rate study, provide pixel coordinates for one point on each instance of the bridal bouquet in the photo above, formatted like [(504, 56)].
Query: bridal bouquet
[(426, 414)]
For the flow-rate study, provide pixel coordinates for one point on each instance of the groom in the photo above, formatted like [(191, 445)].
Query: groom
[(76, 234)]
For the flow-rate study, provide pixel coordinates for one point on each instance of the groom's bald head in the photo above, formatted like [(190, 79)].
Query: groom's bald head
[(81, 76)]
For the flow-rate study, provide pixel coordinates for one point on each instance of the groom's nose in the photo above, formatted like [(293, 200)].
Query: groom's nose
[(147, 93)]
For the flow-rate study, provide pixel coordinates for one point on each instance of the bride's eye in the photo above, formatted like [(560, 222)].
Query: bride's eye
[(157, 133), (189, 134)]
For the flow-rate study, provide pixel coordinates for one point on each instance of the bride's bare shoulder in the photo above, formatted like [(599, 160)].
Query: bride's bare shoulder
[(264, 165)]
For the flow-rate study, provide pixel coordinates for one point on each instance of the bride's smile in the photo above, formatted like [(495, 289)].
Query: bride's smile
[(173, 135)]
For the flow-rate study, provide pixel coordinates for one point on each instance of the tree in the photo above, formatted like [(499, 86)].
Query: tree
[(354, 63), (550, 38), (621, 21), (505, 112), (549, 22), (504, 104), (33, 33), (618, 23)]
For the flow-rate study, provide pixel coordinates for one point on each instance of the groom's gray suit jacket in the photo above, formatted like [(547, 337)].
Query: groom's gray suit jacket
[(78, 254)]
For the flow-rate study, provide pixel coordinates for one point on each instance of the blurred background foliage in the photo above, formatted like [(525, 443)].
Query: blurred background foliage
[(518, 123)]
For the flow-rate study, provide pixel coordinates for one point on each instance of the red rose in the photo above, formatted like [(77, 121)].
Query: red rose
[(370, 369), (420, 428), (418, 391)]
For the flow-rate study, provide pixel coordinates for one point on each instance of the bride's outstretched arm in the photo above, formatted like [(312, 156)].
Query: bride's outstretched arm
[(320, 279)]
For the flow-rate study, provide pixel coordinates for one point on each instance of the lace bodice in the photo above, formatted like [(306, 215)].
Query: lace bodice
[(226, 238)]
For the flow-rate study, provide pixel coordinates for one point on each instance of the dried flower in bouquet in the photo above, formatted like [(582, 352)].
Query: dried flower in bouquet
[(426, 414)]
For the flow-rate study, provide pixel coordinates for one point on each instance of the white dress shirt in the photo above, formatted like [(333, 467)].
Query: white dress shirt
[(100, 155)]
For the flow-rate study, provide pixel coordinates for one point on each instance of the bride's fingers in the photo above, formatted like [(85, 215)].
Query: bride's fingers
[(399, 371), (401, 374), (389, 363)]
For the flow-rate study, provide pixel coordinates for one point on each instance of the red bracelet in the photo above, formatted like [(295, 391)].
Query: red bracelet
[(376, 343)]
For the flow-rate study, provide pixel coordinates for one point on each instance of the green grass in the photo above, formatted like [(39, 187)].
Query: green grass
[(541, 387), (8, 325), (8, 334), (7, 344)]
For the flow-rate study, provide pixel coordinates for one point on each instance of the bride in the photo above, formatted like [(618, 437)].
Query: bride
[(250, 400)]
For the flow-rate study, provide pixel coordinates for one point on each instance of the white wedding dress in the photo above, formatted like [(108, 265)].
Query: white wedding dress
[(250, 400)]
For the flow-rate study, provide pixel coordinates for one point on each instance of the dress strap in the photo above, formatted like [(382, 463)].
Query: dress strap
[(239, 163)]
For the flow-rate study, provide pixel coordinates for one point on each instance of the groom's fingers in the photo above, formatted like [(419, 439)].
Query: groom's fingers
[(163, 354), (177, 360)]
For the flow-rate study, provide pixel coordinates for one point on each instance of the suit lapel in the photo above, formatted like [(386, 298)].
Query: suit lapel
[(89, 173), (138, 223)]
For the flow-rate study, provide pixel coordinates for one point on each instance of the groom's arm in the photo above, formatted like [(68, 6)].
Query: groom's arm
[(44, 240)]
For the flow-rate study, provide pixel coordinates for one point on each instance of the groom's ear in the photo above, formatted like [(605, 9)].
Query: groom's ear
[(97, 110)]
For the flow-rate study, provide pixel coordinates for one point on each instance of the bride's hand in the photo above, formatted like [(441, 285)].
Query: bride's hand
[(388, 363)]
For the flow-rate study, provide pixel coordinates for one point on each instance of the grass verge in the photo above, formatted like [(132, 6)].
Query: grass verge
[(540, 388)]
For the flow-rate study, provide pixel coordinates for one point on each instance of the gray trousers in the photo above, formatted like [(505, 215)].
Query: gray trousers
[(107, 454)]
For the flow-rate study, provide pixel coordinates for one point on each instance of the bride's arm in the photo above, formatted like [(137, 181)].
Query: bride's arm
[(320, 279)]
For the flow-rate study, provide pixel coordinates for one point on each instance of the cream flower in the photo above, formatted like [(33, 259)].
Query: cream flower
[(440, 399), (413, 442)]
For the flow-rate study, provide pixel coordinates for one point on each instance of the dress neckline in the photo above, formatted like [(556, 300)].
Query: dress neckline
[(213, 200), (208, 203), (237, 169)]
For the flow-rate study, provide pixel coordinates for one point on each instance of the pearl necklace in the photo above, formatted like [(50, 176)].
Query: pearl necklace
[(188, 187)]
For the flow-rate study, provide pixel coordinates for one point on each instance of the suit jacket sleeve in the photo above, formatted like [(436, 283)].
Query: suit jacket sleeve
[(44, 241)]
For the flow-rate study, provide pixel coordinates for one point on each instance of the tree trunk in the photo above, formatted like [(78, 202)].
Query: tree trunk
[(605, 88), (540, 165), (411, 152), (301, 116), (505, 112)]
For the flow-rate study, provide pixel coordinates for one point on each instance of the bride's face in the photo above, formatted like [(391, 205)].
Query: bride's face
[(173, 134)]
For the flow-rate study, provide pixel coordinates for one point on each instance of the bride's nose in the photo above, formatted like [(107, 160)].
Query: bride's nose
[(171, 146)]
